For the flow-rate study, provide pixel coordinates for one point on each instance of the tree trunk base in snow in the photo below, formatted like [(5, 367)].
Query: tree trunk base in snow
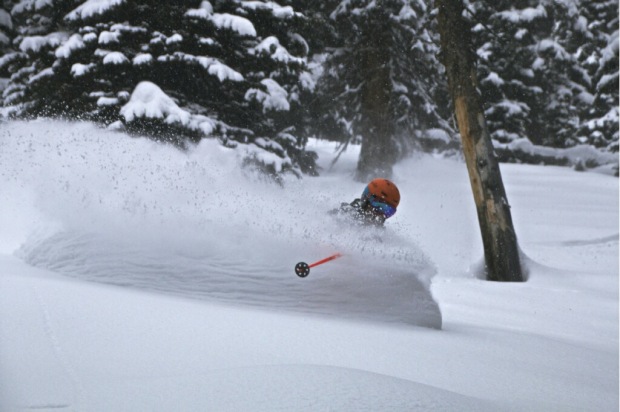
[(501, 251)]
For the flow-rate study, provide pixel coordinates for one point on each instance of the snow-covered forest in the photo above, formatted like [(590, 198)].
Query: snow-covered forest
[(164, 165), (263, 76)]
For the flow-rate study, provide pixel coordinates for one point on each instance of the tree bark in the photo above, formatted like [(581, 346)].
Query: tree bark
[(501, 250), (378, 151)]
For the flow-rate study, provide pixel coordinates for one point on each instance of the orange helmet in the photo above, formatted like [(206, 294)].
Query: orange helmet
[(382, 191)]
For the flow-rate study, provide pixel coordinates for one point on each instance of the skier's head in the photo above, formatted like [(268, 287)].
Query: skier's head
[(382, 196)]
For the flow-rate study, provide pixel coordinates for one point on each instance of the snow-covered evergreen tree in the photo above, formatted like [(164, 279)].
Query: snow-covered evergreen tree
[(532, 74), (227, 67), (39, 30), (599, 57), (504, 76), (563, 81), (6, 40), (381, 84)]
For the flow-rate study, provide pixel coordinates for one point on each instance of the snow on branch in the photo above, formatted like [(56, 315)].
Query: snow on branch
[(610, 52), (213, 66), (274, 99), (238, 24), (79, 69), (107, 37), (92, 8), (219, 69), (35, 43), (5, 20), (281, 12), (47, 72), (31, 5), (528, 14), (272, 47), (149, 101), (259, 151), (142, 58), (115, 58), (611, 117), (559, 52), (75, 42)]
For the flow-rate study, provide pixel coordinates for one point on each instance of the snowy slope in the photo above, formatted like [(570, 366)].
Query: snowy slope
[(230, 327)]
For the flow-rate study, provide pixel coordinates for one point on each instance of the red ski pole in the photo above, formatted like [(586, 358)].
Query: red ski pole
[(302, 269)]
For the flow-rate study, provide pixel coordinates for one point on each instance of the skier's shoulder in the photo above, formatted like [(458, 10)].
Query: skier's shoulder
[(354, 212), (356, 204), (345, 208)]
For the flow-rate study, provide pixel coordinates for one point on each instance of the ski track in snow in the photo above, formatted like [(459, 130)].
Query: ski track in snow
[(60, 355), (133, 213)]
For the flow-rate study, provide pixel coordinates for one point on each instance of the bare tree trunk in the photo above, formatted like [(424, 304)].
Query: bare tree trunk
[(378, 151), (501, 250)]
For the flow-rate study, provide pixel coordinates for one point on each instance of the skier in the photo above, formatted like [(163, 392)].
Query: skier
[(378, 202)]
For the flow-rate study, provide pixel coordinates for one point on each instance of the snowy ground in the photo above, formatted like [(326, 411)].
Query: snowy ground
[(134, 277)]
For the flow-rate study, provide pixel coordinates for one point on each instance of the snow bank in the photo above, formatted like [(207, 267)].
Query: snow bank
[(582, 156), (101, 349)]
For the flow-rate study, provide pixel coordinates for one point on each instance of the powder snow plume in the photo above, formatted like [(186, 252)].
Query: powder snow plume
[(100, 206)]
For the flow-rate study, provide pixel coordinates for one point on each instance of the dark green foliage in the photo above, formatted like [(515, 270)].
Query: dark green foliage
[(223, 62), (7, 33), (381, 83), (599, 57), (265, 76), (538, 65)]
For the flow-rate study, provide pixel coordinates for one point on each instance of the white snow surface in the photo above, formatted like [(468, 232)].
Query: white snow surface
[(135, 277)]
